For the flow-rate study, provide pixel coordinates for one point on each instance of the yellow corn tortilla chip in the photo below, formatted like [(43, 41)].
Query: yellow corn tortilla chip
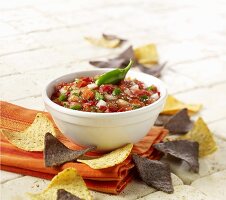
[(103, 42), (109, 160), (32, 138), (69, 180), (201, 134), (146, 55), (173, 105)]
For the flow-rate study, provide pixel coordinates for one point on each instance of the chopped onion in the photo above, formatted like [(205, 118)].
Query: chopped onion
[(92, 86), (110, 97), (63, 90), (134, 87), (122, 102), (127, 91), (101, 103), (155, 96)]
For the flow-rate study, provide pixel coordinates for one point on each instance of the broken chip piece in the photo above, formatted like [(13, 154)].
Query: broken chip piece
[(182, 149), (173, 105), (32, 138), (179, 123), (201, 134), (69, 180), (113, 37), (109, 160), (107, 41), (64, 195), (56, 153), (146, 54), (154, 173)]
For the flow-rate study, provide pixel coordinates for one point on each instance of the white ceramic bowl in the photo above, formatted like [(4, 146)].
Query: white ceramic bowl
[(105, 130)]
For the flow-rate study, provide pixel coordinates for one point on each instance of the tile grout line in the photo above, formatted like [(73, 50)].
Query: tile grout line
[(6, 181)]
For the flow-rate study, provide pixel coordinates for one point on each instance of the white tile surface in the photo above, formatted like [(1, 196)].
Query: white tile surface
[(184, 192), (7, 176), (214, 185), (41, 40)]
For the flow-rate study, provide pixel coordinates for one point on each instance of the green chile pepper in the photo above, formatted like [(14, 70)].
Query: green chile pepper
[(62, 97), (113, 76)]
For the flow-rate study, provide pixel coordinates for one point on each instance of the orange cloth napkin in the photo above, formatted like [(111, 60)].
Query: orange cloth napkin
[(110, 180)]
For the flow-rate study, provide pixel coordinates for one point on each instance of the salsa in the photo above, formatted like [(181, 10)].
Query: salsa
[(85, 95)]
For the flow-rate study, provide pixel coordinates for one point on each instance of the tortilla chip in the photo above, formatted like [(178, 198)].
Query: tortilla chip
[(68, 180), (179, 123), (155, 70), (121, 61), (113, 37), (201, 134), (56, 153), (173, 105), (162, 120), (127, 54), (182, 149), (64, 195), (111, 159), (32, 138), (154, 173), (105, 41), (146, 54)]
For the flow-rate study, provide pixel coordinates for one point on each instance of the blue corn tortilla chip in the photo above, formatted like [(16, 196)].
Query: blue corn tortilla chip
[(185, 150), (154, 173), (56, 153), (121, 61), (64, 195), (162, 120), (155, 70), (179, 123)]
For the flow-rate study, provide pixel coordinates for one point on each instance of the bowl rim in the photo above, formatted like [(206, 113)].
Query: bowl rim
[(71, 112)]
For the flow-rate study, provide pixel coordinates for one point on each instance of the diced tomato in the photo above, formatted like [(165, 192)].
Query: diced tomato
[(123, 87), (87, 79), (113, 107), (125, 108), (82, 84), (73, 98), (87, 108), (103, 108), (106, 88), (60, 85), (90, 103), (141, 92), (140, 84), (88, 94), (137, 102)]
